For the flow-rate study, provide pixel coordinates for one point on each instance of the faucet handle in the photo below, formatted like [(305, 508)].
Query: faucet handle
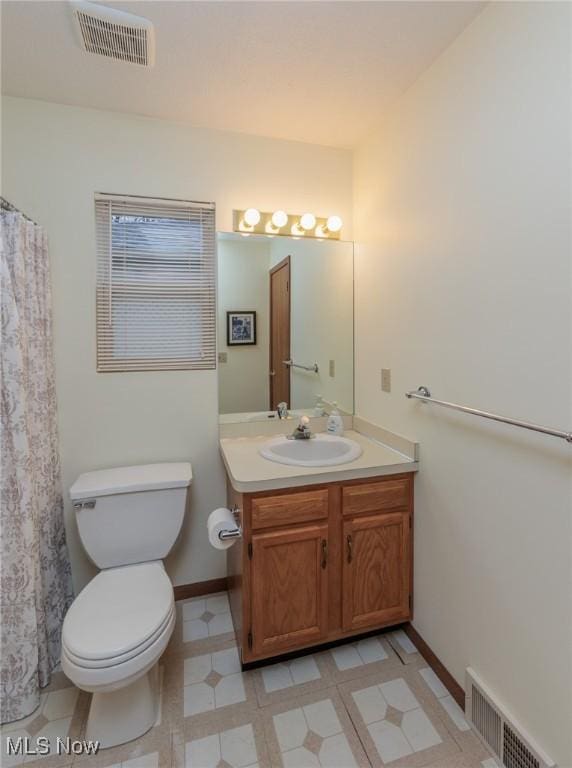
[(302, 431), (304, 426)]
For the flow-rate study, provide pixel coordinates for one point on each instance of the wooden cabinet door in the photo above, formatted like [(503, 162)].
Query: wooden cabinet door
[(289, 588), (376, 570)]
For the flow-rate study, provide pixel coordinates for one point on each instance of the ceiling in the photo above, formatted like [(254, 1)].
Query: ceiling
[(319, 72)]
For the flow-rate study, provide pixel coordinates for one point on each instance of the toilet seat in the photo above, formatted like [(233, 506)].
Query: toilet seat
[(115, 676), (118, 610), (112, 660), (118, 626)]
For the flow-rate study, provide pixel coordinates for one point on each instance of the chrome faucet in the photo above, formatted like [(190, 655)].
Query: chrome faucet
[(302, 431), (282, 409)]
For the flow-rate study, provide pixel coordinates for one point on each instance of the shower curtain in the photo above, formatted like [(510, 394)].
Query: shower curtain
[(35, 586)]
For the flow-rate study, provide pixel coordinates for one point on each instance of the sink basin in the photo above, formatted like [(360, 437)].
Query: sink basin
[(320, 451)]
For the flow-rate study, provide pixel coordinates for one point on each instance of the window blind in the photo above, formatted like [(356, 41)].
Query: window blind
[(156, 278)]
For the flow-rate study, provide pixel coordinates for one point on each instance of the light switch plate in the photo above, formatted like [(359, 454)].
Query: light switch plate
[(223, 357), (332, 368), (386, 379)]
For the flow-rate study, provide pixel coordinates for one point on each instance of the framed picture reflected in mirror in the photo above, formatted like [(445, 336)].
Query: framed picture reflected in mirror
[(240, 328)]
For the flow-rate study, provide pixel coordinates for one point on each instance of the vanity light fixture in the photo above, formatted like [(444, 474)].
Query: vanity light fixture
[(275, 223), (332, 225), (279, 219), (307, 225), (252, 217), (307, 221)]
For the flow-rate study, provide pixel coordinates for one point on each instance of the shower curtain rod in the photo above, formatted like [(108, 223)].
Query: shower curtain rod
[(5, 205)]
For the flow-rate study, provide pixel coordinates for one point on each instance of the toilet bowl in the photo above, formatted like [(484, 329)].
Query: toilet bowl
[(119, 625)]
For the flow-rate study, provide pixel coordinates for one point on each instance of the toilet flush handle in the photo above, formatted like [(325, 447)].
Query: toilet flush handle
[(84, 504)]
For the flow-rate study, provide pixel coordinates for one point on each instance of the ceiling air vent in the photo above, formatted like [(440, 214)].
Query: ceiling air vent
[(114, 34), (498, 729)]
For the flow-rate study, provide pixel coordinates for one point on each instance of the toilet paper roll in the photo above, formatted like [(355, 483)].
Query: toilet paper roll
[(220, 519)]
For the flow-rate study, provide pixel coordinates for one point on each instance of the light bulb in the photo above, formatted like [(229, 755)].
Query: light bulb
[(252, 217), (334, 223), (308, 221), (279, 219)]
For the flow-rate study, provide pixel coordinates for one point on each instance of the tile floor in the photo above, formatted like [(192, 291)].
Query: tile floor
[(373, 702)]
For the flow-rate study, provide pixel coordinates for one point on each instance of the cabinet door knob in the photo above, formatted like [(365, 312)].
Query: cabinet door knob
[(324, 553), (350, 545)]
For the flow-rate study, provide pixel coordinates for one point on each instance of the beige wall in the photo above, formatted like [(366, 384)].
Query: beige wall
[(54, 159), (462, 215)]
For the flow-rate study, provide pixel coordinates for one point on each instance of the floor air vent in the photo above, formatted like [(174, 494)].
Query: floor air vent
[(114, 34), (486, 720), (498, 729), (515, 753)]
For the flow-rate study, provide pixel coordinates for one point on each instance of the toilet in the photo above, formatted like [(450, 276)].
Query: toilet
[(119, 625)]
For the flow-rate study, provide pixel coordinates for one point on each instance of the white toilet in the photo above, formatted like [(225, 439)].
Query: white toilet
[(119, 625)]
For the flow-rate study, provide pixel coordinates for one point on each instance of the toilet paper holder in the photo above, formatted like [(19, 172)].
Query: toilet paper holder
[(234, 533)]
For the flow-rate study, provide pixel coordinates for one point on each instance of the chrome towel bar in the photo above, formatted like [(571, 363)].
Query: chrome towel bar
[(292, 364), (422, 393)]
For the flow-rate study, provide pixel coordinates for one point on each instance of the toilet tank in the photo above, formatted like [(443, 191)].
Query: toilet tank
[(131, 514)]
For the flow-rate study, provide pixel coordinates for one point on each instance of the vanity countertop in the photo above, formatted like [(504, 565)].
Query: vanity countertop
[(249, 472)]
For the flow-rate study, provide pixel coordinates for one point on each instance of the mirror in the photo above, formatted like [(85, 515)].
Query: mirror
[(285, 325)]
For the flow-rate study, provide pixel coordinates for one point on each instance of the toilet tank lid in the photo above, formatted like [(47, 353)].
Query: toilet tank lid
[(144, 477)]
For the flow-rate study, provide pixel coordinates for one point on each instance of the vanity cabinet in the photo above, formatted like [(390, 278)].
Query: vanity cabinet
[(320, 563), (289, 589), (375, 581), (377, 560)]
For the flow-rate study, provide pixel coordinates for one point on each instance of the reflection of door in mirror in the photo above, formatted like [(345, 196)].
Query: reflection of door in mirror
[(280, 334)]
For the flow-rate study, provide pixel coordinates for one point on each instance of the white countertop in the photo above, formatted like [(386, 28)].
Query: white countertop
[(249, 472)]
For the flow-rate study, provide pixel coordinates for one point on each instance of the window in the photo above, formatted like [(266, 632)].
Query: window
[(155, 284)]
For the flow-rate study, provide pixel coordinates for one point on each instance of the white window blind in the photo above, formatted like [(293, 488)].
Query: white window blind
[(155, 284)]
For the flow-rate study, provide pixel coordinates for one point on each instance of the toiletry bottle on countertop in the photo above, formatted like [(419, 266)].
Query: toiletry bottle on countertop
[(335, 425)]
